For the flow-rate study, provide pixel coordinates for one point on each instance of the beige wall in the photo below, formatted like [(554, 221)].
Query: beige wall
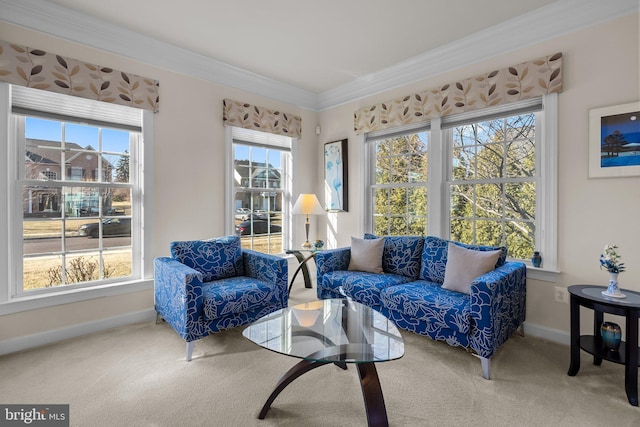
[(601, 66), (189, 172)]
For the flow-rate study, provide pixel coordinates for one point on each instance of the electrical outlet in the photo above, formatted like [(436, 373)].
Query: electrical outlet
[(562, 295)]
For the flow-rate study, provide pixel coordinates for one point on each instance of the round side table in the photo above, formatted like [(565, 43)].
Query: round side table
[(590, 296)]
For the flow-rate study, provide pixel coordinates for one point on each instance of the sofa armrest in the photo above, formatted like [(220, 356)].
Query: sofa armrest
[(332, 260), (498, 306), (268, 268), (178, 296)]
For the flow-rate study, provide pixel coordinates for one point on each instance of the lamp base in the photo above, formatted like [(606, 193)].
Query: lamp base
[(306, 245)]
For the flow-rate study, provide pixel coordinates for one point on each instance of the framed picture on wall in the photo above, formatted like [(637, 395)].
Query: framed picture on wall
[(614, 141), (336, 177)]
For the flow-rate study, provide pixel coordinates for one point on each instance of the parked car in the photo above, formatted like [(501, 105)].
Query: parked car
[(95, 211), (262, 214), (89, 211), (260, 226), (243, 214), (256, 215), (110, 227)]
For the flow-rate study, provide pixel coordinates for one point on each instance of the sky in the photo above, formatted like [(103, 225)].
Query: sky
[(113, 140), (257, 154), (628, 124)]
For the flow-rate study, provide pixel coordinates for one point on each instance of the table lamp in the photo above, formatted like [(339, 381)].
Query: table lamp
[(307, 204)]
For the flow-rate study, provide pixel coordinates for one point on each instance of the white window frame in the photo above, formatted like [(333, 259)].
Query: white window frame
[(11, 225), (371, 140), (264, 139), (438, 206)]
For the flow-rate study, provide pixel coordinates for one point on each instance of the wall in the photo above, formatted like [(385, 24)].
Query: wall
[(188, 181), (601, 68)]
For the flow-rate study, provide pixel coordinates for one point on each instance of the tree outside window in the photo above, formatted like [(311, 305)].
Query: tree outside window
[(493, 184), (400, 189)]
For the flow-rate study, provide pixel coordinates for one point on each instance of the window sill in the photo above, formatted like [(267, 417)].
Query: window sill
[(34, 302), (542, 274)]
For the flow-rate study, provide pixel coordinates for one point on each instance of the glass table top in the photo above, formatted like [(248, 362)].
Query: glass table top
[(331, 330)]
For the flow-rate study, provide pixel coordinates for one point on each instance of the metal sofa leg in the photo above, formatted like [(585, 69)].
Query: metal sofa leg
[(486, 367), (190, 345)]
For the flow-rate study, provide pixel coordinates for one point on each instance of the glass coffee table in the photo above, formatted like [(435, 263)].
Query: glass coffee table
[(332, 331)]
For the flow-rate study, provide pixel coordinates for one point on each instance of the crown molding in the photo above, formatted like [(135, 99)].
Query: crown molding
[(59, 21), (558, 18)]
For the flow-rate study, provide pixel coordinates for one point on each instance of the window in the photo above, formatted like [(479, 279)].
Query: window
[(260, 187), (399, 189), (492, 183), (75, 193), (498, 185)]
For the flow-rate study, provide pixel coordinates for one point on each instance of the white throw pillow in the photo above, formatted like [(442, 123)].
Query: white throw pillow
[(366, 255), (465, 265)]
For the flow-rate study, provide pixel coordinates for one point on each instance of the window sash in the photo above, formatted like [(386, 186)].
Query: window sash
[(18, 290), (415, 222), (274, 143)]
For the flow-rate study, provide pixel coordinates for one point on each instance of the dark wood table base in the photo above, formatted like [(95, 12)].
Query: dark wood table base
[(334, 331), (369, 383), (302, 266)]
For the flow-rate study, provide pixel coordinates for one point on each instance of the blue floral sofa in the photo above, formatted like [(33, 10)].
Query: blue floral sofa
[(210, 285), (410, 293)]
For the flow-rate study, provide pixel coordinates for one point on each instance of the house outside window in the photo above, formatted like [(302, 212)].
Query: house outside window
[(484, 177), (77, 194), (260, 187)]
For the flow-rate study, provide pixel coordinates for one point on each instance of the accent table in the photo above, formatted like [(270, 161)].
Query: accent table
[(590, 296), (331, 331), (302, 260)]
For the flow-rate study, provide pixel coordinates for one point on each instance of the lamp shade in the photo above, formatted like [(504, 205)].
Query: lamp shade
[(307, 204)]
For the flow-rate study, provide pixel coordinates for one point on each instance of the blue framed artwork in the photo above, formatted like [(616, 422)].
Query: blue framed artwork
[(336, 178), (614, 141)]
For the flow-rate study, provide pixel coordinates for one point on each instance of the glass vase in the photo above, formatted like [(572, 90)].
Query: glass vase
[(611, 335), (536, 259)]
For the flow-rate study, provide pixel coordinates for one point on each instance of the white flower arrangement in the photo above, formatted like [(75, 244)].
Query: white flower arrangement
[(610, 260)]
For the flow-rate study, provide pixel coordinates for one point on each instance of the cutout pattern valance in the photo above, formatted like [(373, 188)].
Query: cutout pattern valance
[(247, 116), (35, 68), (527, 80)]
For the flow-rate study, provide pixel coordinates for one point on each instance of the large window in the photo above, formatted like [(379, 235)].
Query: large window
[(492, 183), (486, 177), (75, 194), (261, 186)]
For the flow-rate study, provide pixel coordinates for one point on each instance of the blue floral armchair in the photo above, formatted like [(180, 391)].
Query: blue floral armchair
[(210, 285)]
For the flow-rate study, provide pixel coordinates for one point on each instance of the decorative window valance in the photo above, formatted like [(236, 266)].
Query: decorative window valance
[(247, 116), (527, 80), (35, 68)]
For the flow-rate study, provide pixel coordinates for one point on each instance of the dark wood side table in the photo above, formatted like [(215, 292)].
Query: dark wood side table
[(302, 259), (590, 296)]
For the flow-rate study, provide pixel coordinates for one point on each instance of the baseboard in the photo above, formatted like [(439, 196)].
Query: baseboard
[(13, 345), (550, 334)]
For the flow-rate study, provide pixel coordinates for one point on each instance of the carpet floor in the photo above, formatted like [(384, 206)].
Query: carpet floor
[(137, 376)]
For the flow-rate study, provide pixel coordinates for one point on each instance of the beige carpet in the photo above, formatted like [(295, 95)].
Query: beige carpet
[(137, 376)]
